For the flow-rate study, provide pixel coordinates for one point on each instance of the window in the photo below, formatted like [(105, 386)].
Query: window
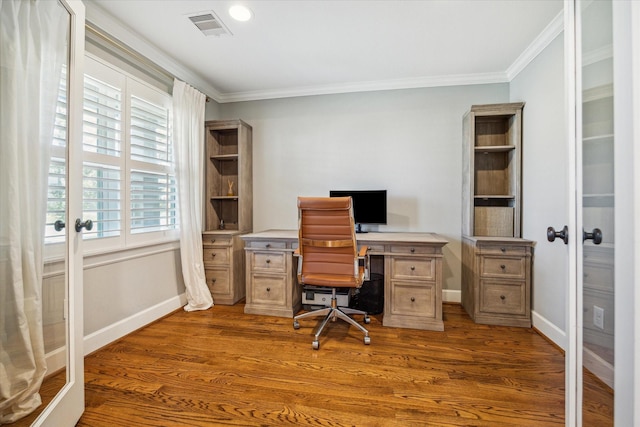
[(129, 185)]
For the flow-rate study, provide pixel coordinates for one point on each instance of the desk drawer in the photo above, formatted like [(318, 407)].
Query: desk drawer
[(502, 267), (268, 289), (218, 281), (215, 256), (413, 299), (378, 249), (268, 261), (266, 245), (413, 268), (212, 240), (508, 250), (502, 297), (411, 249)]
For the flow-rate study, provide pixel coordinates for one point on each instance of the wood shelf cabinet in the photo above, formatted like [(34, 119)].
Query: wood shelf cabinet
[(492, 170), (228, 207), (496, 277)]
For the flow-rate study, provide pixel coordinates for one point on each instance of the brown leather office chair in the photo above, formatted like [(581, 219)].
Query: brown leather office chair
[(329, 257)]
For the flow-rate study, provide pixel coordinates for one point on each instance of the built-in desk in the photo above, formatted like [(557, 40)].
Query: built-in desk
[(411, 264)]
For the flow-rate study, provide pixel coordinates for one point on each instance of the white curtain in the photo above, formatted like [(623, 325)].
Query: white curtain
[(188, 138), (32, 51)]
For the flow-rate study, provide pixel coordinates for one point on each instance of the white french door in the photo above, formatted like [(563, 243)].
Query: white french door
[(602, 60), (68, 405)]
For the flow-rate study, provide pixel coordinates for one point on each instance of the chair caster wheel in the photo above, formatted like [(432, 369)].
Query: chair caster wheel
[(315, 345), (367, 340), (367, 319), (296, 325)]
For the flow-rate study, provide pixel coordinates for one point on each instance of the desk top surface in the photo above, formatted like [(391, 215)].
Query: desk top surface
[(370, 237)]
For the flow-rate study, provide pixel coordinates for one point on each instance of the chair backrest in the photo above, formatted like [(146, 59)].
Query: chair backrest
[(327, 242)]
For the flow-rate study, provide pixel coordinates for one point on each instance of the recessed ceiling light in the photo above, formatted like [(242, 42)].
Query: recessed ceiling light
[(240, 13)]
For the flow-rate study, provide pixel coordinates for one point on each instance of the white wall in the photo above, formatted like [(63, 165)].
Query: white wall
[(545, 182), (408, 142)]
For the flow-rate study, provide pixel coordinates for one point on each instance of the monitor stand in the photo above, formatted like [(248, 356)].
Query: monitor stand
[(359, 229)]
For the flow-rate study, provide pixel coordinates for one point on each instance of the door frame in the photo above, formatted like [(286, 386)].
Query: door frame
[(68, 405)]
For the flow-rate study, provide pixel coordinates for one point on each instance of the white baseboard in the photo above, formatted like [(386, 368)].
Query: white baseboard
[(549, 330), (109, 334), (451, 296), (598, 366), (56, 359)]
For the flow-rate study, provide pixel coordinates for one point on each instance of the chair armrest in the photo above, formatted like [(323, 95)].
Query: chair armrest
[(363, 251)]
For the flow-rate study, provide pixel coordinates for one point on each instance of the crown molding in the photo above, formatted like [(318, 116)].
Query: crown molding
[(540, 43), (108, 23), (98, 16), (396, 84)]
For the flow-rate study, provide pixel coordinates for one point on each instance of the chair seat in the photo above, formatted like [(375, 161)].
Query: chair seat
[(332, 280)]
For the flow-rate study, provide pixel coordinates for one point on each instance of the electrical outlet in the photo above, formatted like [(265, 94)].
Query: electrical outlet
[(598, 317)]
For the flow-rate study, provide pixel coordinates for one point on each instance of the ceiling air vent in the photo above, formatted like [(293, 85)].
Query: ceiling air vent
[(209, 24)]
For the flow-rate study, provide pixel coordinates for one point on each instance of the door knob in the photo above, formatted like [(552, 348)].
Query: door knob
[(58, 225), (563, 234), (88, 224), (595, 235)]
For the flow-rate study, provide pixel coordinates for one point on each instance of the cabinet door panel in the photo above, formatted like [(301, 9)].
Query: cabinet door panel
[(413, 299), (413, 268), (215, 256), (502, 297), (502, 267), (267, 289), (218, 281), (269, 261)]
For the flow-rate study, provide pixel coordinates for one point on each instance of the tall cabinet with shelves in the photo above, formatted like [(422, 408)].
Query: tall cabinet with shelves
[(228, 207), (496, 261)]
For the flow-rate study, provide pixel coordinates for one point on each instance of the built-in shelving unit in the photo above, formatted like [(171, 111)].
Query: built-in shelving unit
[(496, 261), (228, 208), (492, 170)]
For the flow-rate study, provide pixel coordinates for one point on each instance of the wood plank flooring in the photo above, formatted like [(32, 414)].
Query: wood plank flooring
[(224, 367)]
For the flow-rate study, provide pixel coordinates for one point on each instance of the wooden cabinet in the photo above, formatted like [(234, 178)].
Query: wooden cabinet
[(272, 287), (492, 159), (413, 292), (496, 262), (223, 266), (496, 280), (228, 207)]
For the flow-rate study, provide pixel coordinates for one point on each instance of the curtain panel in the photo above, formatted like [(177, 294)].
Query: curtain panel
[(188, 137)]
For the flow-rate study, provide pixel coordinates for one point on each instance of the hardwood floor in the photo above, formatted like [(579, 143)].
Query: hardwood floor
[(224, 367)]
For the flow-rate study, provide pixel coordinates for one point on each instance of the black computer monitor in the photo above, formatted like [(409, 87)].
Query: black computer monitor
[(369, 206)]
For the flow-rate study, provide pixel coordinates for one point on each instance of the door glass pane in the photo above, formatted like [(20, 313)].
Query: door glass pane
[(598, 204), (52, 289)]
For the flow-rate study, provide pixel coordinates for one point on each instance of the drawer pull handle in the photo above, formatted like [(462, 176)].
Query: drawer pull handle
[(213, 240), (213, 280), (213, 255), (268, 261), (268, 245), (268, 289), (413, 250), (502, 266), (502, 297), (413, 267), (413, 299), (503, 249)]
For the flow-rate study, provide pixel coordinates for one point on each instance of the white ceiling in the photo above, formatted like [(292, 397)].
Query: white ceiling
[(299, 47)]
